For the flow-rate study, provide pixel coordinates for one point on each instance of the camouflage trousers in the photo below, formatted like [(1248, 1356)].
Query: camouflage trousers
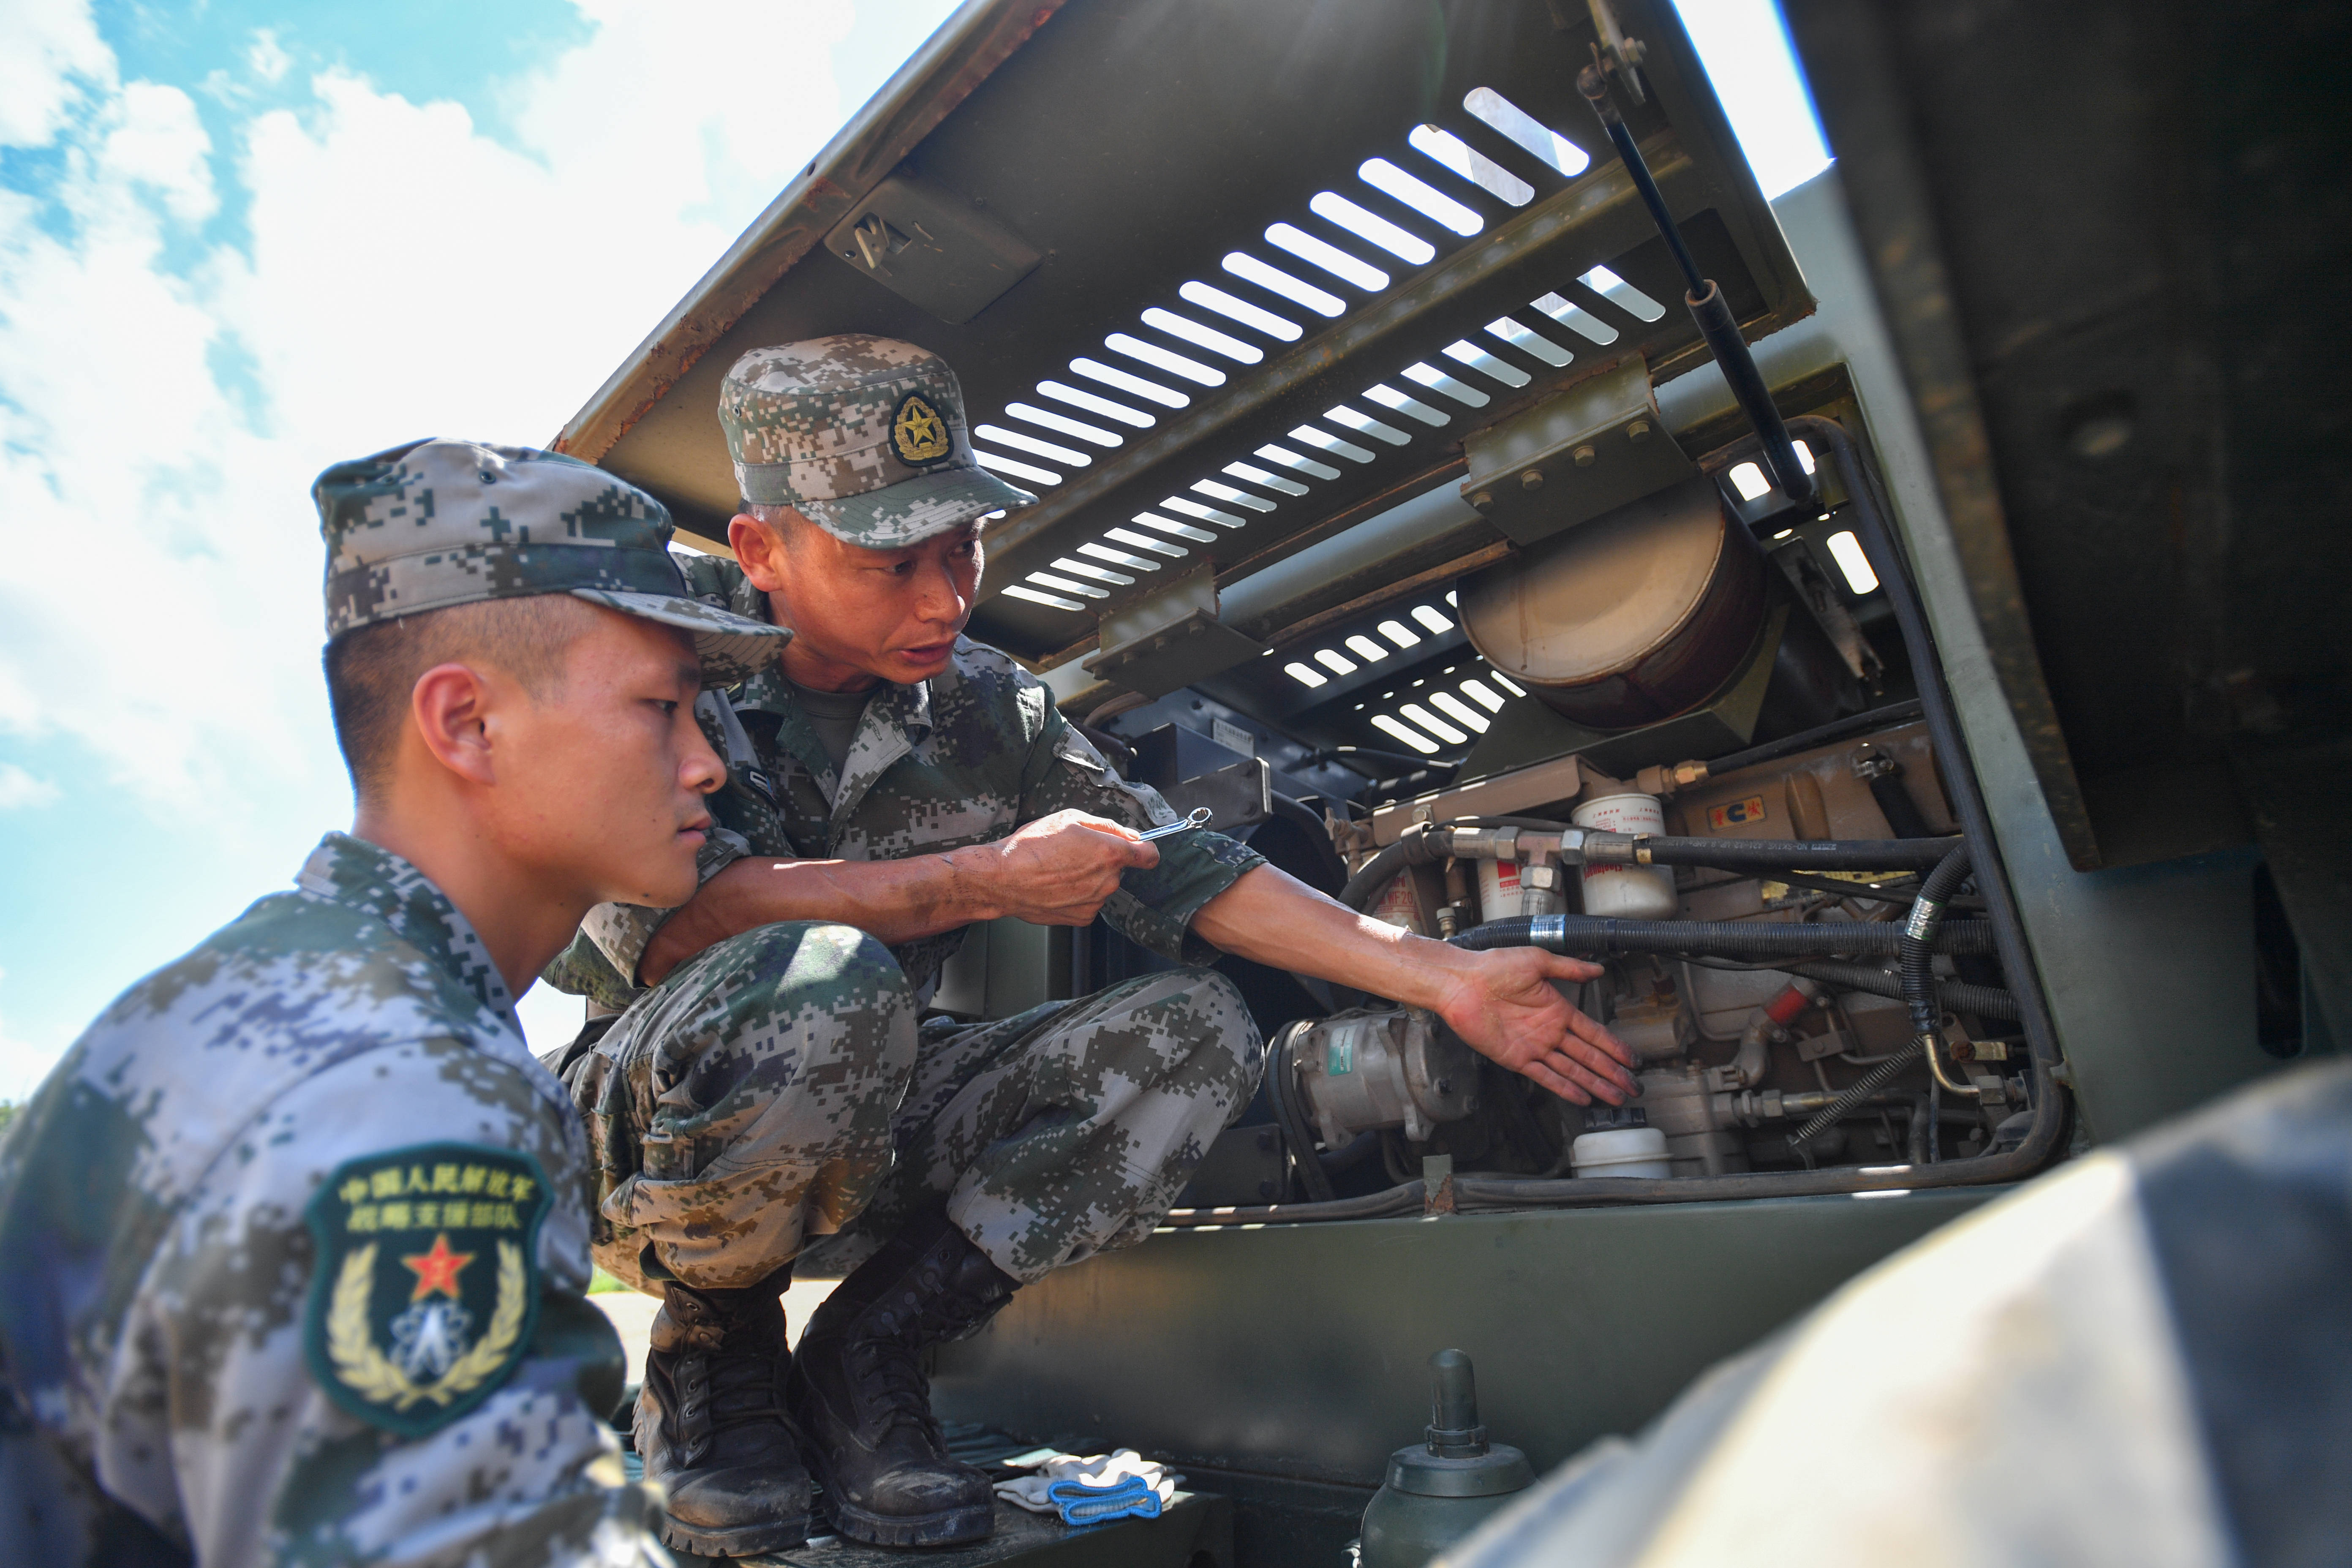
[(774, 1098)]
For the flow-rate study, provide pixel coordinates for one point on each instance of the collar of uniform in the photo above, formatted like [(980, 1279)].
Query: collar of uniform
[(373, 880)]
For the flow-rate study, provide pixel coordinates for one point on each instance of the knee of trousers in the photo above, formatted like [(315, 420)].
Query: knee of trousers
[(1225, 1045), (830, 987)]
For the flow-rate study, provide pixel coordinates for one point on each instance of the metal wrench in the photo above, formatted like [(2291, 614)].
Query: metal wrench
[(1198, 817)]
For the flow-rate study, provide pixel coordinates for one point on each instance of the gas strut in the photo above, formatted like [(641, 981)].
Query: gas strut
[(1705, 301)]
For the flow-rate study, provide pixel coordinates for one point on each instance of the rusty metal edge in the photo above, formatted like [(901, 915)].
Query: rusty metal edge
[(1845, 49), (956, 59)]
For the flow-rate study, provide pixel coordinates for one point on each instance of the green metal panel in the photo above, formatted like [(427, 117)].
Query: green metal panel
[(1304, 1350)]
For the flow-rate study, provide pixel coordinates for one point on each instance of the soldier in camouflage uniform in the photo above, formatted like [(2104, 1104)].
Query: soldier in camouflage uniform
[(891, 775), (298, 1232)]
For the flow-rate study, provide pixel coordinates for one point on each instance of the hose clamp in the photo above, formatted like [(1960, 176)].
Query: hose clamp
[(1549, 932), (1641, 848), (1927, 914)]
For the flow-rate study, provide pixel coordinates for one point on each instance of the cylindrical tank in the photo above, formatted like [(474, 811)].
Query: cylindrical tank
[(1627, 892), (1442, 1488), (1630, 618)]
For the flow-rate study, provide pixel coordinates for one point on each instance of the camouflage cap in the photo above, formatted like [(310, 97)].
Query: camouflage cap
[(864, 435), (435, 523)]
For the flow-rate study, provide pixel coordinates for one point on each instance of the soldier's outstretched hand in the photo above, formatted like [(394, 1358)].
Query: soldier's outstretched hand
[(1504, 1005), (1058, 870)]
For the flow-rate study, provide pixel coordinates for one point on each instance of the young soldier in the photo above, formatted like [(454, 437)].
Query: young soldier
[(297, 1233), (892, 775)]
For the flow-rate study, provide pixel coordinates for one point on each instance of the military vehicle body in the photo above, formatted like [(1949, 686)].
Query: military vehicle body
[(1386, 484)]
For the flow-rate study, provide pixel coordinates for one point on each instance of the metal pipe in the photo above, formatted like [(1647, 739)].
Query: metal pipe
[(1705, 301), (1587, 935)]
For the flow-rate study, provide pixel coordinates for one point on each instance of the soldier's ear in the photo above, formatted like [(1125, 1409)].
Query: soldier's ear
[(449, 709), (759, 548)]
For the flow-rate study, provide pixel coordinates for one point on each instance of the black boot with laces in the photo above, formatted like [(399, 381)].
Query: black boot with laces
[(860, 1398), (710, 1422)]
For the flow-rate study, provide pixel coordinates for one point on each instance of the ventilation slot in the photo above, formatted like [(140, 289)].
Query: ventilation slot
[(1063, 424), (1390, 397), (1018, 470), (1015, 439), (1261, 477), (1446, 148), (1290, 460), (1329, 258), (1322, 442), (1528, 341), (1622, 294), (1078, 398), (1365, 425), (1199, 336), (1407, 246), (1487, 365), (1420, 195), (1158, 358), (1577, 319), (1298, 292), (1214, 299), (1437, 380), (1110, 375), (1522, 128)]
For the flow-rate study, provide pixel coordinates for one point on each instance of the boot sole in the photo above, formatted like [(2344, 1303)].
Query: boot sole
[(736, 1540), (948, 1527)]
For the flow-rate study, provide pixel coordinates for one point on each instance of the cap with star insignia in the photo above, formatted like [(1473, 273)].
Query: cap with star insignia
[(863, 435), (427, 1280)]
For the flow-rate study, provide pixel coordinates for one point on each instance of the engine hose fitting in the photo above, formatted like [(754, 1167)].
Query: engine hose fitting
[(1935, 1064), (1855, 1093), (1917, 944)]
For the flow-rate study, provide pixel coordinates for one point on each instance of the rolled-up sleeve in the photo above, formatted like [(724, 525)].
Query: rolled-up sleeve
[(1152, 908)]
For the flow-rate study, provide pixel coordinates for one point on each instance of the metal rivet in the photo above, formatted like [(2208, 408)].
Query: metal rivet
[(1638, 431), (1484, 500), (1532, 479), (1584, 456)]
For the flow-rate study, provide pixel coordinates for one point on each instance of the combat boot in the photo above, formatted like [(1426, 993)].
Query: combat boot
[(863, 1404), (710, 1422)]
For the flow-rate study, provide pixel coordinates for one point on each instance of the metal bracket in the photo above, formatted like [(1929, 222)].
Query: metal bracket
[(1170, 636), (932, 246), (1589, 450)]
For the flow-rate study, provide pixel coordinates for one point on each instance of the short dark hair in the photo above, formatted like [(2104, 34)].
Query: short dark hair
[(372, 670)]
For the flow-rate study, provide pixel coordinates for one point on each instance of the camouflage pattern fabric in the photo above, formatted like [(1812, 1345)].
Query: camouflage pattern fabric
[(437, 524), (866, 437), (770, 1098), (745, 1104), (158, 1406), (962, 759)]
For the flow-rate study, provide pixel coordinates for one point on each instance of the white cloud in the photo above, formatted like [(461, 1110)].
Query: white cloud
[(405, 275), (266, 58), (20, 789), (49, 48)]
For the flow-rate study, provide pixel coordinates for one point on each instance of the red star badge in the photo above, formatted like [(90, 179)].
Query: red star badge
[(438, 1270)]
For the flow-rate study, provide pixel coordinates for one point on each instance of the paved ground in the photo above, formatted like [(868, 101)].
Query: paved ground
[(633, 1315)]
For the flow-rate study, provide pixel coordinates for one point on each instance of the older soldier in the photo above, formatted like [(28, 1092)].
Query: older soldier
[(297, 1235), (892, 775)]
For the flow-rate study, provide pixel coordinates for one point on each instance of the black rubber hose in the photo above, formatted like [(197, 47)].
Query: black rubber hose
[(1585, 936), (1794, 854), (1917, 938), (1281, 1090), (1405, 1198), (1957, 995), (1416, 847)]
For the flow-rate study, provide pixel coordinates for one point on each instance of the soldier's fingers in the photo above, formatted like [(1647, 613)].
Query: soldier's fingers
[(1105, 824), (1564, 1088), (1557, 967), (1589, 1029), (1602, 1066), (1600, 1084)]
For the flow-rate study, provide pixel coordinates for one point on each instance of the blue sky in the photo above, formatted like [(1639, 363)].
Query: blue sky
[(227, 229)]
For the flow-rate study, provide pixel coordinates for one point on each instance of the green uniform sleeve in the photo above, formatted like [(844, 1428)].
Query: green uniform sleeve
[(1152, 908)]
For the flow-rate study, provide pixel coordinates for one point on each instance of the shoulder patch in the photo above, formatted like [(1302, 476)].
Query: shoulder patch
[(426, 1286)]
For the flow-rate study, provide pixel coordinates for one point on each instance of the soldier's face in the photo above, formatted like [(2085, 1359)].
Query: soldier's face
[(602, 778), (858, 613)]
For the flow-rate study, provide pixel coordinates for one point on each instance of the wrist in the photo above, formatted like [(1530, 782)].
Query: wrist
[(965, 889), (1431, 971)]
